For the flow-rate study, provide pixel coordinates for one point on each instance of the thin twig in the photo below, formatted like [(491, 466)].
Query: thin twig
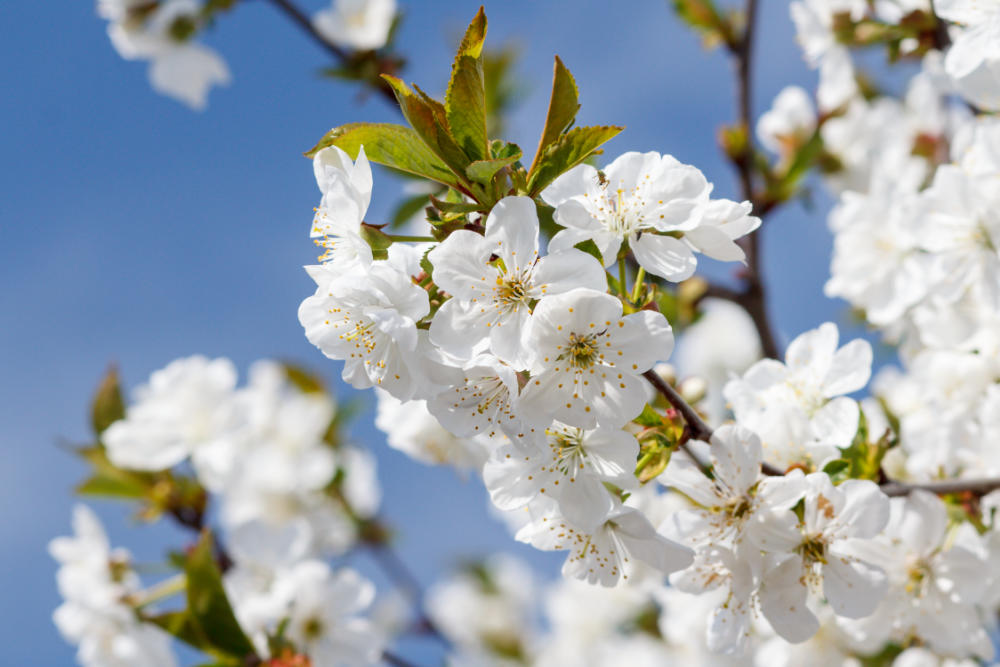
[(396, 569), (754, 298), (699, 429), (392, 659), (302, 20), (977, 487)]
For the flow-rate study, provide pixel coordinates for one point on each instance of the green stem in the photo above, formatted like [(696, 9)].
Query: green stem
[(621, 276), (640, 276), (411, 239), (164, 589), (646, 458)]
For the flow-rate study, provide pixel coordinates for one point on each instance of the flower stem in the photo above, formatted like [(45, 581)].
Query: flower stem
[(164, 589), (403, 238), (640, 276), (622, 289)]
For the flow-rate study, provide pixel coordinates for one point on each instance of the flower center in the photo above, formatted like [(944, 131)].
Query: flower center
[(582, 352), (312, 629), (512, 291)]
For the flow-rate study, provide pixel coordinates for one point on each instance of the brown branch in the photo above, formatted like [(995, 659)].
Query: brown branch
[(304, 22), (695, 424), (390, 658), (977, 487), (397, 571), (753, 298)]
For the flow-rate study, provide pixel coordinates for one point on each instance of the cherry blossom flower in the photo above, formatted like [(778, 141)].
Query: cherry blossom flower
[(94, 580), (357, 24), (589, 359), (647, 200), (797, 407), (567, 464), (822, 549), (180, 68), (606, 554), (491, 299), (347, 192), (186, 409), (367, 317)]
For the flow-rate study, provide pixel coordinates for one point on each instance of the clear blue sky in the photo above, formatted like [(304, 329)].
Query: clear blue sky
[(134, 230)]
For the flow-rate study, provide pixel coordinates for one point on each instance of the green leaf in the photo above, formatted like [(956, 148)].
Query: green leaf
[(113, 486), (649, 417), (563, 105), (460, 208), (377, 240), (111, 481), (208, 606), (588, 246), (483, 171), (408, 208), (180, 625), (428, 119), (465, 99), (568, 151), (836, 466), (391, 145), (108, 406), (303, 379)]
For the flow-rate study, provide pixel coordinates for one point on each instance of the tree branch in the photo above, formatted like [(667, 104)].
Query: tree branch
[(753, 299), (304, 22), (700, 430), (697, 426), (978, 487), (397, 571)]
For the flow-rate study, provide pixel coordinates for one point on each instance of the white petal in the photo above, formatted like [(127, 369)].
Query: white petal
[(664, 256)]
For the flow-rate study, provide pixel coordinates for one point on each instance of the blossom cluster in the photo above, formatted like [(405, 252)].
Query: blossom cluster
[(526, 358), (527, 367), (287, 496)]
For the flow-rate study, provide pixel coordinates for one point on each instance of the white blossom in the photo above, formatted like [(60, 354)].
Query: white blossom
[(357, 24), (589, 358), (646, 200), (367, 318), (490, 299), (186, 409)]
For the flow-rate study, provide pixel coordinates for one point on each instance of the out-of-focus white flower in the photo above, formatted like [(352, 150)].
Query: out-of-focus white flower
[(186, 409), (413, 430), (486, 609), (721, 342), (94, 580), (179, 67), (797, 407), (358, 24), (973, 60), (789, 122)]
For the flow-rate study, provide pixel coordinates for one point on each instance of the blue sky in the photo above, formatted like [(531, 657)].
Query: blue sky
[(135, 231)]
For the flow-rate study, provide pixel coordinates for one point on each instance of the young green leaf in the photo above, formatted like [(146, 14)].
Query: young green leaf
[(428, 118), (465, 99), (393, 146), (208, 606), (568, 151), (483, 171), (108, 405), (563, 105)]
